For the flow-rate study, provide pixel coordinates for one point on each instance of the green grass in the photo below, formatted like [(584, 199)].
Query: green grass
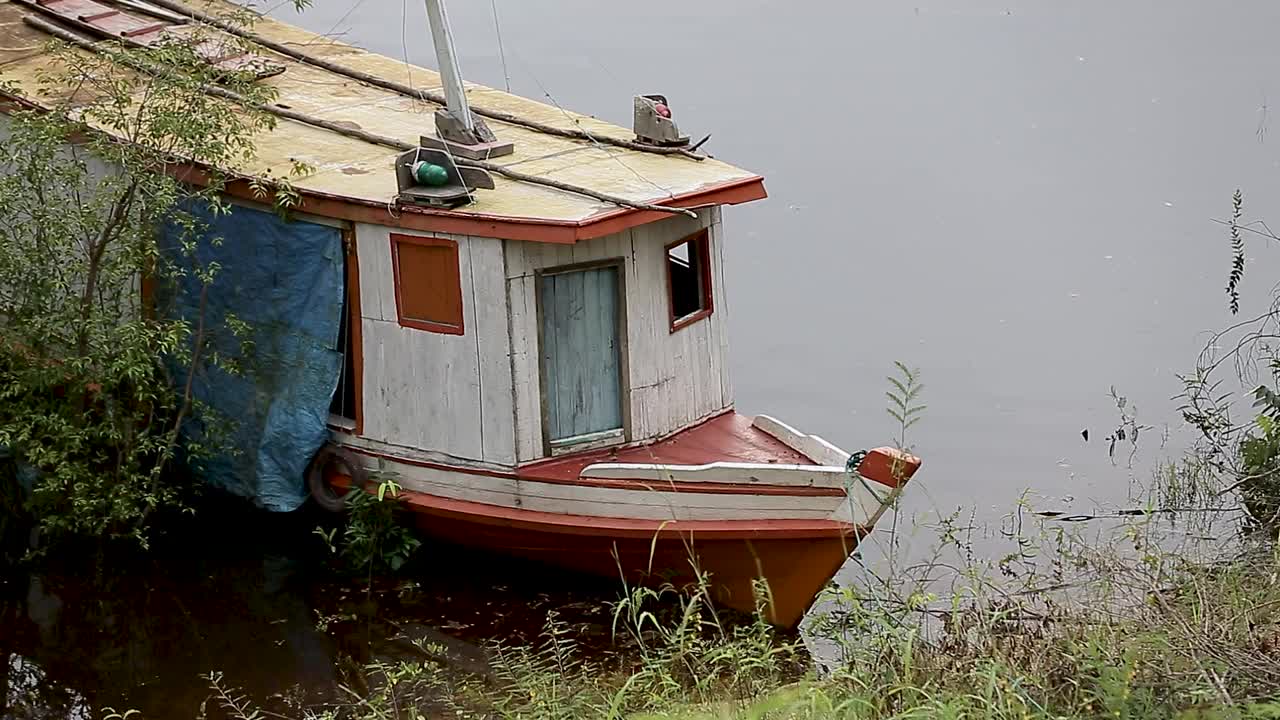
[(1201, 641)]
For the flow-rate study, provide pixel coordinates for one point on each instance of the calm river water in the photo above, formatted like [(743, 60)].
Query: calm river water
[(1018, 199)]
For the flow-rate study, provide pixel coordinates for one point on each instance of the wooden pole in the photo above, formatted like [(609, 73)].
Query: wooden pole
[(341, 129), (368, 79), (450, 74)]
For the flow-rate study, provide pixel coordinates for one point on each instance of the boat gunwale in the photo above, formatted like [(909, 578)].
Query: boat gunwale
[(615, 483), (589, 525)]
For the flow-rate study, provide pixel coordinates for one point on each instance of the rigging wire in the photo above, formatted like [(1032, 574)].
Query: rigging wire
[(502, 53), (404, 41), (329, 34), (547, 93), (268, 11)]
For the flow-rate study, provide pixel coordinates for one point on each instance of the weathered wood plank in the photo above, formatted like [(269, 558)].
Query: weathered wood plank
[(733, 473), (524, 363), (722, 317), (612, 502), (431, 390), (374, 450), (863, 497), (426, 390), (582, 369), (377, 290), (493, 349), (811, 446), (648, 307)]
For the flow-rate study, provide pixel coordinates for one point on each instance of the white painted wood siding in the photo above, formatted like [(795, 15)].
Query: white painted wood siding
[(859, 507), (673, 379), (448, 394)]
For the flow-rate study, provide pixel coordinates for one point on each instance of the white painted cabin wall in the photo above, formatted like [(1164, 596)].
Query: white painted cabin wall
[(673, 379), (447, 394), (96, 172)]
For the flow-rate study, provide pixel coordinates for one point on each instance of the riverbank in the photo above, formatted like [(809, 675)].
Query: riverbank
[(1202, 641), (1146, 634), (251, 611), (255, 596)]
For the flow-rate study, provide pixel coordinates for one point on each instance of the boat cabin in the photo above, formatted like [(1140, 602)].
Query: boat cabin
[(504, 352)]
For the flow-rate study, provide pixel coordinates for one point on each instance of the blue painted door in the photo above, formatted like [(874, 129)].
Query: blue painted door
[(580, 353)]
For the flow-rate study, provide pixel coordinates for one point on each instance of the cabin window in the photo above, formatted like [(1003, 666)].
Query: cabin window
[(428, 283), (344, 409), (689, 279)]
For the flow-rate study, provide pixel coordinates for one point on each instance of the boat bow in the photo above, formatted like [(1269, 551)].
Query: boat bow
[(868, 487)]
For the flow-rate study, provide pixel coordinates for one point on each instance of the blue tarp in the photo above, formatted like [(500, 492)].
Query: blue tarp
[(284, 280)]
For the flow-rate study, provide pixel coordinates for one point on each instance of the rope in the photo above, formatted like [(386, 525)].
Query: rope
[(590, 137), (409, 91), (337, 127)]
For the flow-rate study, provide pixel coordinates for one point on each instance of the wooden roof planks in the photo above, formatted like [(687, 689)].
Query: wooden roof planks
[(355, 180)]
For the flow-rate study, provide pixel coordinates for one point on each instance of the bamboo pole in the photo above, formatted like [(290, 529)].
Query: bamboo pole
[(332, 126), (403, 89)]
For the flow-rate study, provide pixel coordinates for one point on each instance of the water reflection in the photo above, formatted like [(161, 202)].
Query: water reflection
[(139, 632), (252, 596), (30, 693)]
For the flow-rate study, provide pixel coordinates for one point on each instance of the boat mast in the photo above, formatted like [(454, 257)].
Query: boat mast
[(450, 74), (461, 131)]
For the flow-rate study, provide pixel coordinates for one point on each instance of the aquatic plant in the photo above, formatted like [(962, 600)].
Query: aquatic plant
[(374, 535), (1066, 628), (1240, 362), (904, 401)]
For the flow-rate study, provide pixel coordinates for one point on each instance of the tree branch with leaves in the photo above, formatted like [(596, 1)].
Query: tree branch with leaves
[(87, 182)]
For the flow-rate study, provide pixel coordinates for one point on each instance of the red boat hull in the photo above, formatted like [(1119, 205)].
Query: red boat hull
[(723, 499), (795, 558)]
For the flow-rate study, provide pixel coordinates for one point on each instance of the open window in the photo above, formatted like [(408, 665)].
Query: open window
[(344, 409), (689, 279), (428, 283)]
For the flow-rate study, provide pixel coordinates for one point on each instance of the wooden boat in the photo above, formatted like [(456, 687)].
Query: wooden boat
[(731, 497), (534, 347)]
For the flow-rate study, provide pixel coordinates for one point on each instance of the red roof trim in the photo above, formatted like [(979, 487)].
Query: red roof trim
[(505, 227)]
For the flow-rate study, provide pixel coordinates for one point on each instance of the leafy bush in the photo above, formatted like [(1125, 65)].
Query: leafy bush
[(86, 398), (374, 537)]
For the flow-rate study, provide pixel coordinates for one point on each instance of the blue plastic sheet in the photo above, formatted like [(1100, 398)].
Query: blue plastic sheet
[(284, 280)]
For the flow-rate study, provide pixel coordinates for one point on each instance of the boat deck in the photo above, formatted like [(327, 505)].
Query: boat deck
[(725, 438)]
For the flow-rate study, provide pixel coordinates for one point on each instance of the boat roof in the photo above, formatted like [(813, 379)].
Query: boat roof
[(355, 179)]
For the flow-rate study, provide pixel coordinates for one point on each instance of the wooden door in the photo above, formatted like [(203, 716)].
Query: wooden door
[(581, 356)]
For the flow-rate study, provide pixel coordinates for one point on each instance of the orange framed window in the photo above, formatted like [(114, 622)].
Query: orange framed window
[(688, 262), (428, 283)]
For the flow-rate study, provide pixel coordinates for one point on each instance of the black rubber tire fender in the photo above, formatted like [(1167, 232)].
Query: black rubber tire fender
[(331, 458)]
